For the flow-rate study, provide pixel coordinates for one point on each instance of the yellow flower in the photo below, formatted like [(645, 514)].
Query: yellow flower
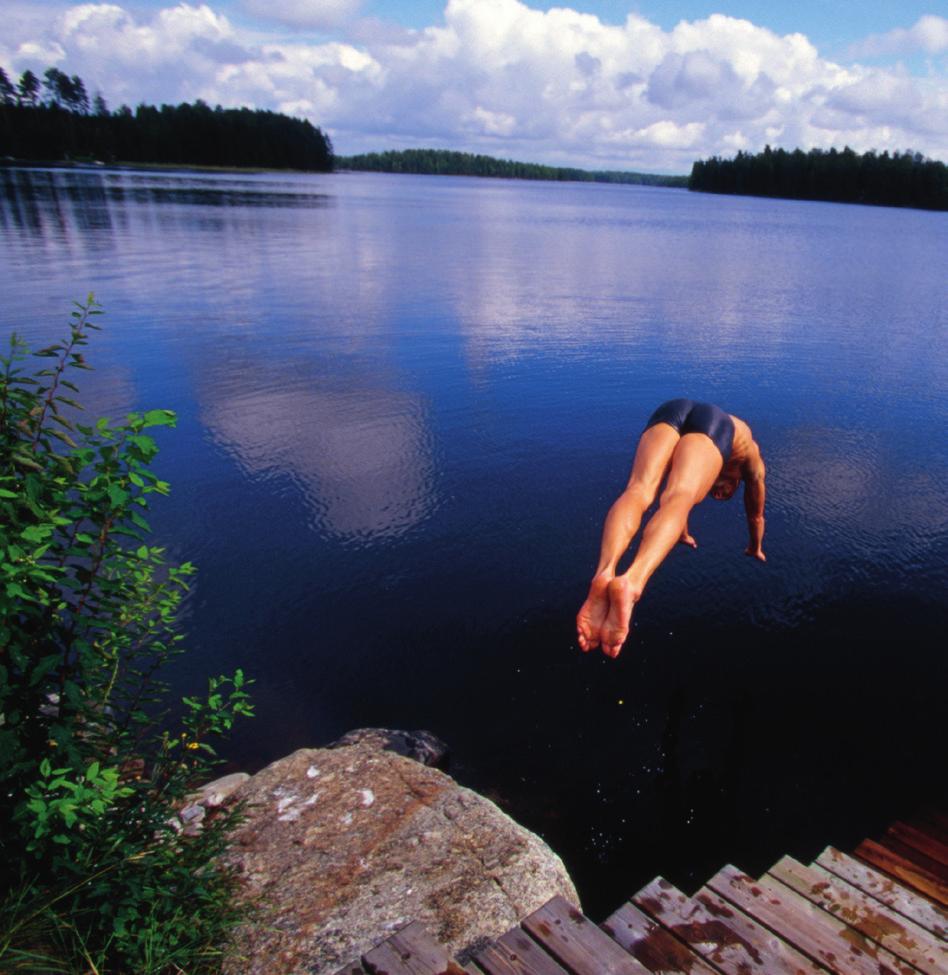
[(192, 745)]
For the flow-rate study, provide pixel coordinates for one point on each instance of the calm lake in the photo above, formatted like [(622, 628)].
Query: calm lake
[(405, 404)]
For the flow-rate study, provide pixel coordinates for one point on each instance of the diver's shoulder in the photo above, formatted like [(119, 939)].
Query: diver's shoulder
[(742, 431), (745, 448)]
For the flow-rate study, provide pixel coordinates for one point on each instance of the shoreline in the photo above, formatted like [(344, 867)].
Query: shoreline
[(123, 166)]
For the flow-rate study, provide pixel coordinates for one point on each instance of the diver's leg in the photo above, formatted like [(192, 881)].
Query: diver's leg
[(652, 457), (695, 464)]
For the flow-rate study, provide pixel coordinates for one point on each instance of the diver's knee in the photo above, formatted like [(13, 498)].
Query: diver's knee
[(641, 493), (677, 496)]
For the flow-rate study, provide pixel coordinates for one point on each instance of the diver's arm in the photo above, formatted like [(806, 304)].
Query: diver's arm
[(755, 493)]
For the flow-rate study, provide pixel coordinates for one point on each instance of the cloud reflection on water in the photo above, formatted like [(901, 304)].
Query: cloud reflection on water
[(361, 458), (839, 481)]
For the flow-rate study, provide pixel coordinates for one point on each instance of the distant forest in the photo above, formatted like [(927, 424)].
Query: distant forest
[(53, 120), (903, 179), (441, 162)]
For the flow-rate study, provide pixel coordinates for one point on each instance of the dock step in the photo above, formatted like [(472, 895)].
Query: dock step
[(882, 909)]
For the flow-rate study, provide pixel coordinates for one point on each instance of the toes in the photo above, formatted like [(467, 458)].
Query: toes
[(611, 647), (587, 641)]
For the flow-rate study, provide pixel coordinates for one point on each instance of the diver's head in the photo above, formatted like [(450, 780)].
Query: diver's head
[(724, 487)]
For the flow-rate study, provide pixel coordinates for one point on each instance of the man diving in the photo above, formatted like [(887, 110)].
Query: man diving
[(696, 449)]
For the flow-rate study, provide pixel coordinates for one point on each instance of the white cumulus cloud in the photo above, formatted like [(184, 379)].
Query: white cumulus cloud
[(928, 35), (304, 13)]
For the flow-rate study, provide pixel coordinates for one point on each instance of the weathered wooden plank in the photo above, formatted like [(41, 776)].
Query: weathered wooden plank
[(410, 951), (922, 860), (353, 968), (524, 951), (818, 934), (649, 943), (922, 841), (519, 954), (902, 937), (905, 870), (885, 890), (725, 937), (493, 960), (936, 817), (577, 943), (925, 824)]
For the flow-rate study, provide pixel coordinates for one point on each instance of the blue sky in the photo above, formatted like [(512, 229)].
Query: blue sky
[(829, 23), (640, 84)]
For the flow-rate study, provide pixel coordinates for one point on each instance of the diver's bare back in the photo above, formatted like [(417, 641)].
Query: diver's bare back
[(744, 451)]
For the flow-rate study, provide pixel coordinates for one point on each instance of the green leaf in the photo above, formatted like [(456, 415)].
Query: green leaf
[(15, 590), (22, 460), (160, 418), (64, 437), (36, 533), (118, 496), (69, 402), (144, 443), (42, 576), (42, 669)]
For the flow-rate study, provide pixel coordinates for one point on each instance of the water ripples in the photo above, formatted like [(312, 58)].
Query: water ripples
[(405, 406)]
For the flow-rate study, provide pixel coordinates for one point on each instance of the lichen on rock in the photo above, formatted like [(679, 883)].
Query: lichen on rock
[(341, 858)]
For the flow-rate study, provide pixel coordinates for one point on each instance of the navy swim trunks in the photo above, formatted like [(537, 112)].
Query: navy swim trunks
[(687, 416)]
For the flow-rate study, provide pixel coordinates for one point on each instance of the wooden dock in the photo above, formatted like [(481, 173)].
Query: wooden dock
[(881, 911)]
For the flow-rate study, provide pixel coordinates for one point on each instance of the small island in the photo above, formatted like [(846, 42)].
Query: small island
[(904, 179), (442, 162)]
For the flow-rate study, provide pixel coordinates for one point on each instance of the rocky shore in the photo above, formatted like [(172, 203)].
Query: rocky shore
[(344, 845)]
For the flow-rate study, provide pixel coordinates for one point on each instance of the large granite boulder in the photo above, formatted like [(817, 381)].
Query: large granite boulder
[(343, 846)]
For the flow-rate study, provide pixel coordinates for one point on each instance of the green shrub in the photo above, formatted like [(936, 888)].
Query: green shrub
[(95, 872)]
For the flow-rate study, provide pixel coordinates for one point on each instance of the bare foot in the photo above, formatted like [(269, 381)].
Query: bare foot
[(622, 598), (592, 614)]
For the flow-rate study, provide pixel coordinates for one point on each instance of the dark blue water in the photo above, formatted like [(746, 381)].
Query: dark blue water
[(405, 404)]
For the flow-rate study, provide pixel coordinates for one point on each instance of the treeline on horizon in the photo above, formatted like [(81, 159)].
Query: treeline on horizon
[(53, 120), (444, 162), (905, 179)]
